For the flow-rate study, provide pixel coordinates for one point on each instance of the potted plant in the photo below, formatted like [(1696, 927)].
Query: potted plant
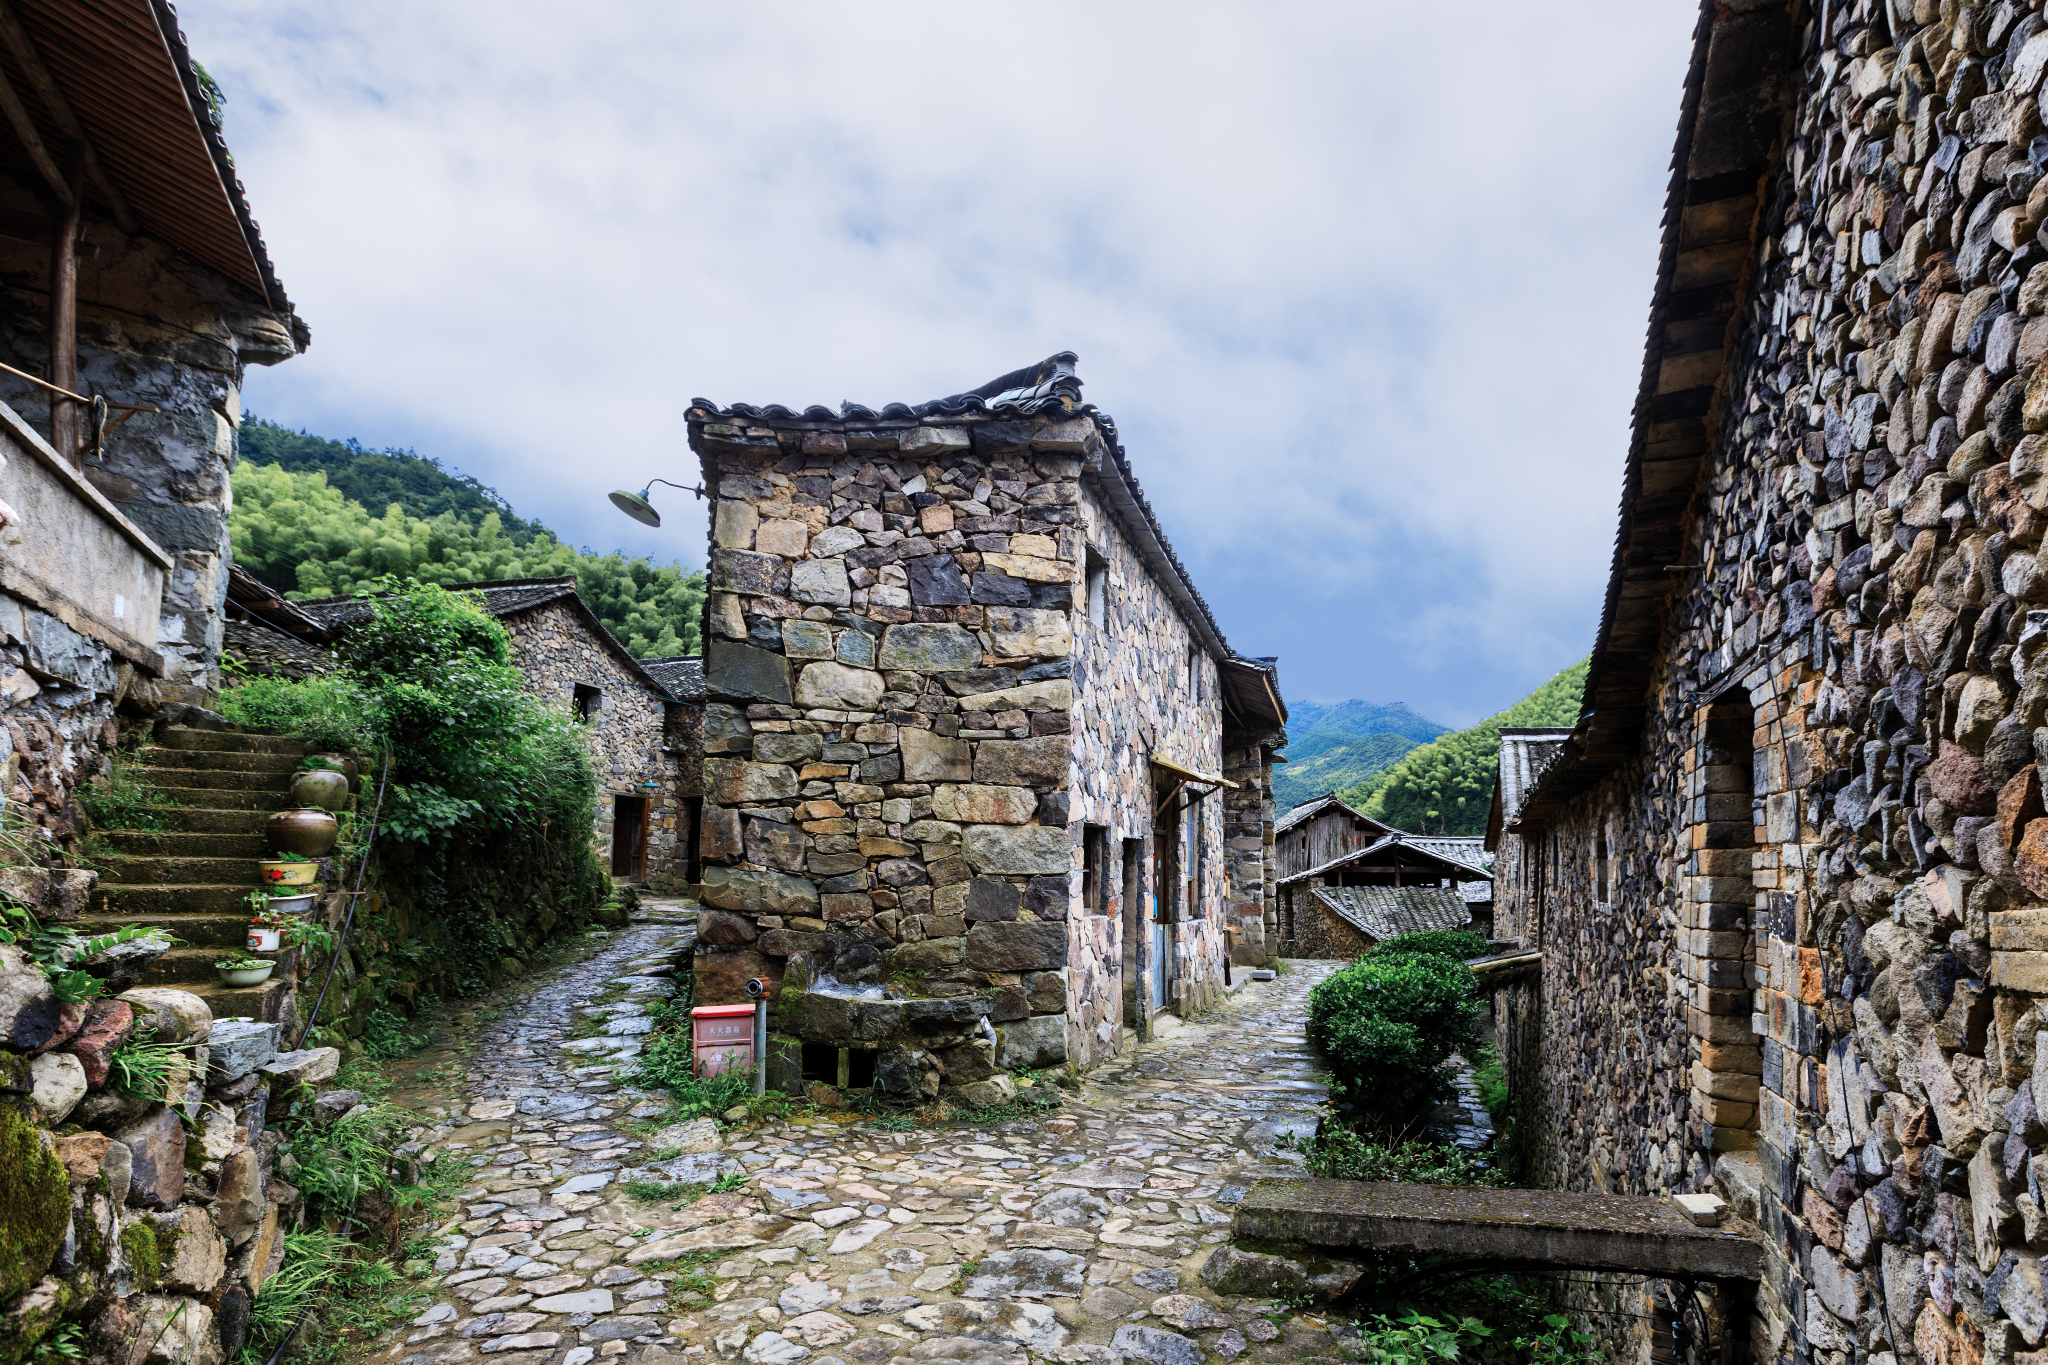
[(322, 783), (266, 933), (287, 870), (307, 832), (244, 971)]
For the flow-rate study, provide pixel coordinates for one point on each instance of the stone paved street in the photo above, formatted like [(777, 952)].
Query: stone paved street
[(1075, 1237)]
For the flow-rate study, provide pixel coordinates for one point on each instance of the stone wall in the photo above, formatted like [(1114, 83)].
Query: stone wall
[(1145, 686), (1253, 905), (1816, 980), (154, 328), (631, 735), (895, 652), (152, 1225)]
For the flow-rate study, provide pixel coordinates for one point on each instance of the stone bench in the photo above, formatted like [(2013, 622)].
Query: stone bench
[(1520, 1227)]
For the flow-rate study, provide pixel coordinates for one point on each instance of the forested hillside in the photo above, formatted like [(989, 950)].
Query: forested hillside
[(1331, 746), (297, 526), (1446, 787)]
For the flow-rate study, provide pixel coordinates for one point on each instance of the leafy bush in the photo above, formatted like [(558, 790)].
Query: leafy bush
[(1416, 1339), (1389, 1026), (329, 712), (1492, 1079), (1342, 1154), (1458, 944)]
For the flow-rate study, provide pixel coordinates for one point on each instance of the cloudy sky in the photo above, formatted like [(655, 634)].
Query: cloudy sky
[(1363, 284)]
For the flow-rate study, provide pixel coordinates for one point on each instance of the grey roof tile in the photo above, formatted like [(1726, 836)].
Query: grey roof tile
[(1387, 911)]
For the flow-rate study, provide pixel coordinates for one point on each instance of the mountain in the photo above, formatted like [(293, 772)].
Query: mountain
[(1446, 786), (314, 517), (1332, 745)]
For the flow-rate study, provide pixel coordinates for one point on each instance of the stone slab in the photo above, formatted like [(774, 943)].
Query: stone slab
[(1590, 1231)]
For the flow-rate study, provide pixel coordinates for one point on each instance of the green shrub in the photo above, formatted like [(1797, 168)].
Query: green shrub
[(1416, 1339), (1461, 944), (669, 1063), (1492, 1079), (1389, 1026), (120, 799), (1342, 1154), (329, 712)]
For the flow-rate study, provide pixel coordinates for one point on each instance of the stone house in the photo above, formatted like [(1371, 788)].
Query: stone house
[(1315, 924), (643, 736), (1786, 876), (133, 280), (968, 722)]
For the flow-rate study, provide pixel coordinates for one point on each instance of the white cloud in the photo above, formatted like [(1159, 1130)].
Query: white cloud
[(1363, 285)]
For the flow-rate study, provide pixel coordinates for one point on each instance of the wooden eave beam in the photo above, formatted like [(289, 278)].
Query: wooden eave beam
[(18, 45)]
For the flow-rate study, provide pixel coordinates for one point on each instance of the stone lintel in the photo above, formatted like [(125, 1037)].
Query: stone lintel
[(1589, 1231)]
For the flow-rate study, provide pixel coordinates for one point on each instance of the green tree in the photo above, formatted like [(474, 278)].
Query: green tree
[(304, 536), (1446, 787)]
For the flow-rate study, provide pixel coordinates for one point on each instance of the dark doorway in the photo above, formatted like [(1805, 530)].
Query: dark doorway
[(629, 837), (693, 820), (1133, 926)]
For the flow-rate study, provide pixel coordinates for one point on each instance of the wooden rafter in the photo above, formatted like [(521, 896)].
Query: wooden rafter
[(18, 45)]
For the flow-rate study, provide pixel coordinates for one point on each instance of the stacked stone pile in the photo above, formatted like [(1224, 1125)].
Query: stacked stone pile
[(153, 1225), (887, 777)]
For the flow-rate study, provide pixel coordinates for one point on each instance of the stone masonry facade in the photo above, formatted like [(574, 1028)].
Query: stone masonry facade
[(640, 738), (939, 669), (1790, 876)]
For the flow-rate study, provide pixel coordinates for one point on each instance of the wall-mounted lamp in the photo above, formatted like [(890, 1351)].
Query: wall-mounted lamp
[(639, 508)]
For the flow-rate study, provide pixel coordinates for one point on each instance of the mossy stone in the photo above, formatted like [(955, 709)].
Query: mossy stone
[(35, 1199), (139, 1247)]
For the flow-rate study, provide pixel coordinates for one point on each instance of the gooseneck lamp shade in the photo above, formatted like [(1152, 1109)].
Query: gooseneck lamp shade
[(636, 506)]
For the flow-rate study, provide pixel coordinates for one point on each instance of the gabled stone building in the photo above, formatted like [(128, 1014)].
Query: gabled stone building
[(1788, 875), (643, 719), (969, 724), (1313, 923)]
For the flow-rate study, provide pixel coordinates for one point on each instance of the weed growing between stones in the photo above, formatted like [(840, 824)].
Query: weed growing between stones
[(143, 1069), (120, 799), (386, 1036)]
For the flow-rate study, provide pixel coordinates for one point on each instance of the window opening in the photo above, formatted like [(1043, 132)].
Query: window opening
[(1094, 874), (588, 701), (1600, 862), (1098, 589)]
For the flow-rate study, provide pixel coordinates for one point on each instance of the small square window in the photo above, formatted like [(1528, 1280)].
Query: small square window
[(1098, 589), (587, 702)]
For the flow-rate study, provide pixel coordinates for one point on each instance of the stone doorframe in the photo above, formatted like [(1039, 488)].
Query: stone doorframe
[(1743, 877)]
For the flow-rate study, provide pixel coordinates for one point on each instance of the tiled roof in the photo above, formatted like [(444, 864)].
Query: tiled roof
[(266, 650), (1525, 754), (1731, 117), (1051, 388), (1385, 912), (499, 597), (1451, 863), (681, 674), (1315, 807)]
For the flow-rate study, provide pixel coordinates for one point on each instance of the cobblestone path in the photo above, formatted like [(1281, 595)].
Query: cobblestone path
[(1073, 1237)]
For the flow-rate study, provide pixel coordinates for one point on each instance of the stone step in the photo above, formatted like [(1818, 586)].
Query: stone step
[(262, 1002), (190, 844), (164, 779), (157, 759), (212, 932), (184, 871), (205, 820), (225, 798), (182, 966), (232, 741), (122, 901)]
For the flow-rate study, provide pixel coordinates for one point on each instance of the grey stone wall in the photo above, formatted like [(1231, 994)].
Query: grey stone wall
[(1144, 686), (908, 714), (154, 328), (631, 737), (1817, 979)]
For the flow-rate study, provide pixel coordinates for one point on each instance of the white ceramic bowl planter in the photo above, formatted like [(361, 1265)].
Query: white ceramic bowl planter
[(264, 938)]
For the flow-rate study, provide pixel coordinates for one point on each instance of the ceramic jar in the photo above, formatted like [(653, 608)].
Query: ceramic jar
[(321, 787), (308, 833)]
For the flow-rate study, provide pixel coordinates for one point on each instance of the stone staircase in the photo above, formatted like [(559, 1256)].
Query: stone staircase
[(192, 876)]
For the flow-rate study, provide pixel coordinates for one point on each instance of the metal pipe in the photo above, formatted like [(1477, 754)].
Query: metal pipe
[(761, 1046)]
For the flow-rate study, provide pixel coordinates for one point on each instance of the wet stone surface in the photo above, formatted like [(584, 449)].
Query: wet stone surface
[(1073, 1237)]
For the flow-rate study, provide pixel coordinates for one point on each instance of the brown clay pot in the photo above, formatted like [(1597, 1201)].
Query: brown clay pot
[(322, 787), (308, 833), (349, 767)]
